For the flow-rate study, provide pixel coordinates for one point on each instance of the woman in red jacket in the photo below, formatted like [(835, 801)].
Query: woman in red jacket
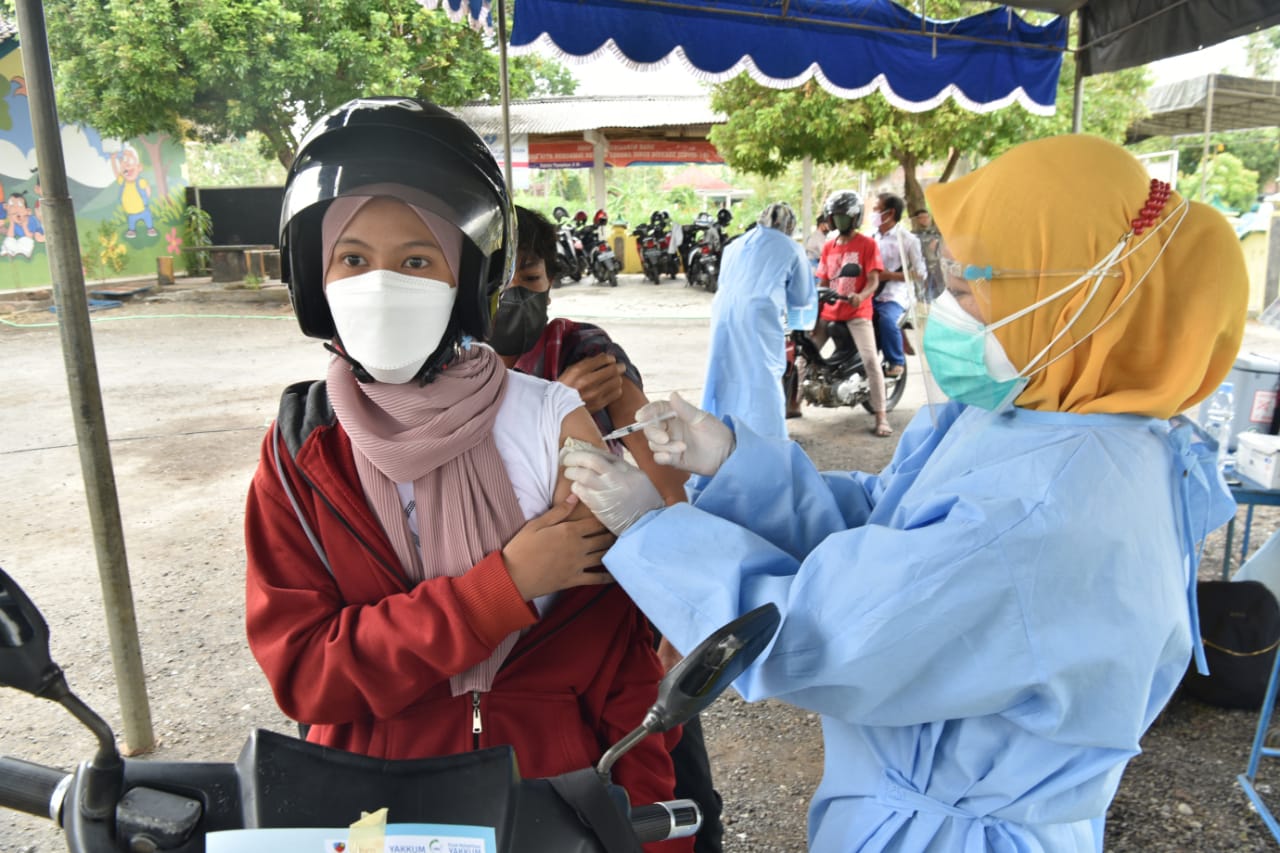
[(420, 582)]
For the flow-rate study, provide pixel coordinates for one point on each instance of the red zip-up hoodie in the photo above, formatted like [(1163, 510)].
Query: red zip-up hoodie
[(364, 657)]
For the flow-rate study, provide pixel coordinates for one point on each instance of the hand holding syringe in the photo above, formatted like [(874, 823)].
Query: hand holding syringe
[(638, 425), (691, 439)]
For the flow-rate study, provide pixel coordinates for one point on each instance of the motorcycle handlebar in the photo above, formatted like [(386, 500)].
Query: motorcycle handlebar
[(668, 819), (32, 788), (38, 790)]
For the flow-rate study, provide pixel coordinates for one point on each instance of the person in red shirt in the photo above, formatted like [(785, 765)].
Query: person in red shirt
[(844, 210)]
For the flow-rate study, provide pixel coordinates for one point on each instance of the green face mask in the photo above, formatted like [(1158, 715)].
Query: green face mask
[(963, 354), (844, 224)]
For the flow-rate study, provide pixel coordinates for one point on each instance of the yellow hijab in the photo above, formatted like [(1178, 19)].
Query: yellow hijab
[(1062, 204)]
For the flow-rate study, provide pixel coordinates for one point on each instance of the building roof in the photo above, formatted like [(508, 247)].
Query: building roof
[(1235, 103), (685, 116)]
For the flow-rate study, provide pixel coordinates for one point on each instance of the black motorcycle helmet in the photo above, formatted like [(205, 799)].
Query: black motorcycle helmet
[(416, 145), (655, 217), (845, 202), (559, 213), (724, 217)]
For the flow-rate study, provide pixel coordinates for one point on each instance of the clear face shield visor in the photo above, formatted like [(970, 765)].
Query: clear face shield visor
[(963, 358)]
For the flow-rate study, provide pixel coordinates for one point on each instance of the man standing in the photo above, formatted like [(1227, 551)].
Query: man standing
[(762, 273), (897, 282), (813, 244), (930, 244)]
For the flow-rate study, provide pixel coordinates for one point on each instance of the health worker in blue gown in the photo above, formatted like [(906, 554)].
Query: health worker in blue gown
[(989, 624), (763, 273)]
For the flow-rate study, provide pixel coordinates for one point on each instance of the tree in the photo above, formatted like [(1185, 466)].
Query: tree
[(213, 70), (1227, 183), (1262, 49), (1257, 148), (768, 128)]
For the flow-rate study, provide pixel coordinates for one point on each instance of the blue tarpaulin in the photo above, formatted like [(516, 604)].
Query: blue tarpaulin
[(850, 47)]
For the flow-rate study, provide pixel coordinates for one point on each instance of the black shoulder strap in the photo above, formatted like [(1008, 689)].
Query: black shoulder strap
[(587, 796), (303, 407)]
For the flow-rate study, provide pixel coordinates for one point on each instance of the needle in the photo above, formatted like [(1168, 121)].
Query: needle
[(637, 426)]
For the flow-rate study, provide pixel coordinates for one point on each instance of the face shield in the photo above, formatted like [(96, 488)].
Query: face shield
[(965, 360)]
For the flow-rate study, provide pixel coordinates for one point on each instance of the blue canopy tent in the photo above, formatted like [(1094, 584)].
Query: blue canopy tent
[(850, 47)]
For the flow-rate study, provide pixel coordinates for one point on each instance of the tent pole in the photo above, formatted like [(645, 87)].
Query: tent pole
[(65, 267), (1077, 101), (1208, 128), (1077, 89), (806, 195), (505, 91)]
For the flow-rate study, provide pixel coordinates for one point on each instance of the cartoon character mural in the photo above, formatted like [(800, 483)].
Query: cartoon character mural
[(125, 193), (135, 192), (22, 229)]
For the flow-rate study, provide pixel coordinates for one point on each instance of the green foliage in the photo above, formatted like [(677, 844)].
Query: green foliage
[(769, 129), (101, 251), (1227, 183), (233, 163), (197, 230), (218, 69), (1258, 149), (1262, 50)]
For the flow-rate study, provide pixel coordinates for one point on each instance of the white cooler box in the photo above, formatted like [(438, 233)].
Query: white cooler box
[(1258, 458)]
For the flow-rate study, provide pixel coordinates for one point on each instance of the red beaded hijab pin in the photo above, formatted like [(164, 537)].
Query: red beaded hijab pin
[(1151, 210)]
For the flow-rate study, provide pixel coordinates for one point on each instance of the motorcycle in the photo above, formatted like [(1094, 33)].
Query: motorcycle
[(651, 253), (839, 379), (702, 260), (572, 260), (279, 783), (601, 260)]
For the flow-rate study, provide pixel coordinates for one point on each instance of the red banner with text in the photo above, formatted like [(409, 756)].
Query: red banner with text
[(622, 152)]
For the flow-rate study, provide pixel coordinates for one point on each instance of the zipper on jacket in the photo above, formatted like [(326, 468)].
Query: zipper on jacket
[(476, 727)]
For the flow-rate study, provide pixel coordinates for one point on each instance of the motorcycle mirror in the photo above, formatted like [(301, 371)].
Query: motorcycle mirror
[(25, 663), (850, 271), (706, 672)]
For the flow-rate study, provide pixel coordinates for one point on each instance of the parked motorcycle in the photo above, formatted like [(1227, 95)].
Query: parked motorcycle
[(572, 260), (110, 803), (704, 241), (839, 379), (647, 245), (601, 260)]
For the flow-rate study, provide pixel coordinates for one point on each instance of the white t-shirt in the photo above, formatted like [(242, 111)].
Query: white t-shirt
[(527, 433)]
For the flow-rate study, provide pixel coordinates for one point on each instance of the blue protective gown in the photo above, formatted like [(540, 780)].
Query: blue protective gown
[(762, 274), (987, 627)]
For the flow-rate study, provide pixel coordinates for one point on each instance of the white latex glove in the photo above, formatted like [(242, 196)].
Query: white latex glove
[(616, 491), (693, 440)]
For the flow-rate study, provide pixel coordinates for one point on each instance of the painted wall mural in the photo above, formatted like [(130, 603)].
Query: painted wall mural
[(127, 194)]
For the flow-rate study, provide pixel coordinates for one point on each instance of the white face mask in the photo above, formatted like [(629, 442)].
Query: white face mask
[(390, 322), (874, 220)]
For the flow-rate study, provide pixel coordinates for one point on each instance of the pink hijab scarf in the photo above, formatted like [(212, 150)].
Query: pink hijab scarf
[(439, 437)]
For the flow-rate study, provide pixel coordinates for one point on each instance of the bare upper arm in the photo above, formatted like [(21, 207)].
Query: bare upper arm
[(580, 425)]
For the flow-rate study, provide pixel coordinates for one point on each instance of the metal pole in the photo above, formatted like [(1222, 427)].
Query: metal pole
[(1077, 102), (505, 90), (62, 244), (1077, 89), (1208, 128), (806, 193)]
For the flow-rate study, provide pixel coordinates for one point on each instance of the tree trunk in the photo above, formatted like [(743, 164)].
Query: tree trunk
[(912, 194), (157, 162), (951, 165)]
